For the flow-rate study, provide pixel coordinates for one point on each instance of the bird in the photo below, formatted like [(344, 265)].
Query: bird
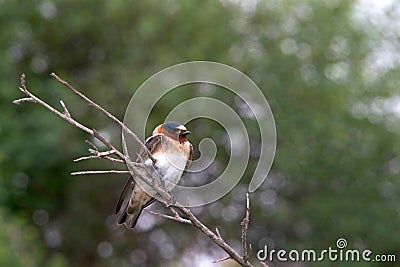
[(172, 154)]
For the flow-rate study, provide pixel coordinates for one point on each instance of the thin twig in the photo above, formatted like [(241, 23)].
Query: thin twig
[(174, 218), (245, 228), (222, 259), (85, 158), (98, 172), (99, 157), (22, 100), (96, 154), (66, 112), (92, 145), (218, 233), (250, 251), (113, 159)]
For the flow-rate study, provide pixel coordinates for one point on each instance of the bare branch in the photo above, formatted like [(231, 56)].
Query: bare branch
[(99, 172), (174, 218), (138, 169), (66, 116), (245, 228), (44, 104), (216, 239), (264, 264), (102, 110)]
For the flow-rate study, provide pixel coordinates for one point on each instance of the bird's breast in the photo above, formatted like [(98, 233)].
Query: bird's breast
[(170, 165)]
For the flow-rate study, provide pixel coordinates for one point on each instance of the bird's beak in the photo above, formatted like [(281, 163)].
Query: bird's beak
[(186, 133)]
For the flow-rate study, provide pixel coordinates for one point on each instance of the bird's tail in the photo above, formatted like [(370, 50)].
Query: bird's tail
[(130, 219), (130, 204), (127, 214)]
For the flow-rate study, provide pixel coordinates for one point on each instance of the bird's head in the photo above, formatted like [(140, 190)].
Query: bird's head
[(174, 130)]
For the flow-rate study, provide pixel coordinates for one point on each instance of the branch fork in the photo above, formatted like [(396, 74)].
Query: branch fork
[(149, 176)]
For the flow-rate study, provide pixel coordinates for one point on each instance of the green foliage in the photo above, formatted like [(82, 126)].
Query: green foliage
[(20, 246), (325, 74)]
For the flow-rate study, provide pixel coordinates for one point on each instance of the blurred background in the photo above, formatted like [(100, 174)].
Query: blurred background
[(329, 69)]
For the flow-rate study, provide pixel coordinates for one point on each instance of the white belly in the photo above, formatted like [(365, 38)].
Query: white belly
[(170, 166)]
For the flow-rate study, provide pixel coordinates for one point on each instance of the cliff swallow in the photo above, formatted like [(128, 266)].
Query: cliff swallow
[(172, 154)]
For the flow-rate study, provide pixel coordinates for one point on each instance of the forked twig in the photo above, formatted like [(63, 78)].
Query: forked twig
[(66, 112), (32, 98), (102, 110), (97, 154)]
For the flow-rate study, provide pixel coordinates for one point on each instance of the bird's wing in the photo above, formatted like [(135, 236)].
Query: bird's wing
[(125, 194), (152, 143), (190, 159)]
